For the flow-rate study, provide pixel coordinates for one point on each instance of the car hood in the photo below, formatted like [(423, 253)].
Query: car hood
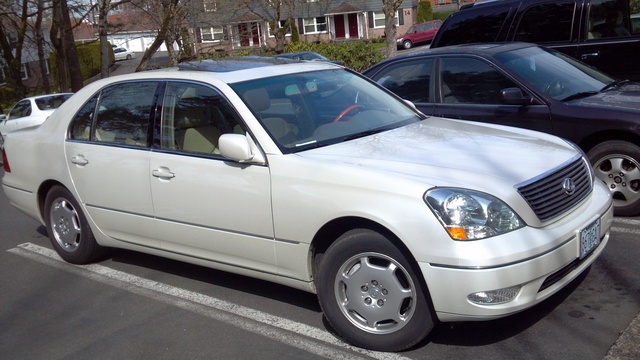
[(445, 152), (626, 96)]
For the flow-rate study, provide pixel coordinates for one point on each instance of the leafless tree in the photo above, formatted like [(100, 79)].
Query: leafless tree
[(273, 12), (390, 9)]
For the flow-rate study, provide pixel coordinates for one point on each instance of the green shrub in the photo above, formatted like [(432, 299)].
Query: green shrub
[(425, 12), (356, 55)]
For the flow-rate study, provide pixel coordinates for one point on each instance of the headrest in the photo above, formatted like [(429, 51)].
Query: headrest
[(257, 99)]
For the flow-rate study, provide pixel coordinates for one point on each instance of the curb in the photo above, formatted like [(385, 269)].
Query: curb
[(627, 347)]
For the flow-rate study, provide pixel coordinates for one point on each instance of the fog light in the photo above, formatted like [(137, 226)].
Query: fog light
[(495, 297)]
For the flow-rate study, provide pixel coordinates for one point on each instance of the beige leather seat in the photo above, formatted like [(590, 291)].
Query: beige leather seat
[(259, 101)]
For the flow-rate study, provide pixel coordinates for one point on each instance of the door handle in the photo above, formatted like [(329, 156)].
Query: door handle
[(590, 56), (79, 160), (163, 173)]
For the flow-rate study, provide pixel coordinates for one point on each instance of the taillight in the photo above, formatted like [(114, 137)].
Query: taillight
[(5, 161)]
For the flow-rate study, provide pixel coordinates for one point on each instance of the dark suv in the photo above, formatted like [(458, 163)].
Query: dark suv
[(598, 33)]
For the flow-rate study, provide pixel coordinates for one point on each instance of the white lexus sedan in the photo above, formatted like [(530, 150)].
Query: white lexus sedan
[(311, 176)]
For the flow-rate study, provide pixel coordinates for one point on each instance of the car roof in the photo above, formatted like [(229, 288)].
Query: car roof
[(233, 64), (227, 70), (481, 49)]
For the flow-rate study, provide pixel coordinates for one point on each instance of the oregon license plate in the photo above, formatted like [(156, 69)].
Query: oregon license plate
[(589, 238)]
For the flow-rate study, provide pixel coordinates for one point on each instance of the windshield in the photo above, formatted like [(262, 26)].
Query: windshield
[(312, 109), (552, 73)]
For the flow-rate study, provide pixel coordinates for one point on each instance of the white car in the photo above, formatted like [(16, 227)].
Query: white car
[(31, 111), (120, 53), (309, 175)]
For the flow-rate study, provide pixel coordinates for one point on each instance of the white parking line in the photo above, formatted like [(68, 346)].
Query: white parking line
[(212, 307), (617, 229), (626, 221)]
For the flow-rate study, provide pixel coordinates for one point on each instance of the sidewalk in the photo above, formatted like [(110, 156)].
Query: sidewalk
[(627, 347)]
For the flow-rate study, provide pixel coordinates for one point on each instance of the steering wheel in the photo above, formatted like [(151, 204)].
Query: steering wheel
[(555, 87), (346, 111)]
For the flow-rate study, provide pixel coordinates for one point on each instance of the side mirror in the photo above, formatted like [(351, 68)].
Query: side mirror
[(239, 148), (514, 96)]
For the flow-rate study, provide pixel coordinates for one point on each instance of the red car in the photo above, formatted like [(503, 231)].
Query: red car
[(419, 33)]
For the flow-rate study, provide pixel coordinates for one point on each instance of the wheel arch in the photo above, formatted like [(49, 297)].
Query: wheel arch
[(594, 139), (43, 190), (332, 230)]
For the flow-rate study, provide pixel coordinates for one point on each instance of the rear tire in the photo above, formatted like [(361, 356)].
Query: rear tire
[(371, 295), (68, 228)]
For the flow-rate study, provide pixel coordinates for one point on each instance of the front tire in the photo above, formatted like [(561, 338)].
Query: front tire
[(407, 44), (617, 163), (371, 295), (68, 228)]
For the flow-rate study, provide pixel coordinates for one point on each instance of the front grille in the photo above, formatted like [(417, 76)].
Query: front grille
[(547, 194)]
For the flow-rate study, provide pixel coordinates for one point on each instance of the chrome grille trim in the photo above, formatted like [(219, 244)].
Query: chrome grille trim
[(546, 195)]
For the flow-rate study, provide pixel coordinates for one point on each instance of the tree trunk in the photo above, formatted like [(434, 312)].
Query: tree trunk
[(55, 35), (68, 42), (40, 46), (103, 10), (160, 38)]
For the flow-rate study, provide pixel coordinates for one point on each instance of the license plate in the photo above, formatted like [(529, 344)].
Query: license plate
[(589, 238)]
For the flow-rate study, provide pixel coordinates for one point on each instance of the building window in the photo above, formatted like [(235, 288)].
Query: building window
[(378, 19), (215, 33), (24, 71), (315, 25), (210, 5), (280, 26)]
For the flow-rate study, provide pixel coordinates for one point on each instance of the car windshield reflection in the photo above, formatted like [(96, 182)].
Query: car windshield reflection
[(308, 110), (554, 74)]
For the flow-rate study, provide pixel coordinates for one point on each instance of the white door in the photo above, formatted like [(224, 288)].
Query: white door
[(205, 206)]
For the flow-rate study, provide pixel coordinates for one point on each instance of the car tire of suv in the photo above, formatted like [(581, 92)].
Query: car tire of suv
[(407, 44), (617, 163), (68, 228), (370, 293)]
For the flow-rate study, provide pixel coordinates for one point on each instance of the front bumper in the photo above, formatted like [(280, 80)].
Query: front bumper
[(539, 277)]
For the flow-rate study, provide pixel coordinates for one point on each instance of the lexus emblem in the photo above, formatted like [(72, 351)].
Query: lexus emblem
[(568, 186)]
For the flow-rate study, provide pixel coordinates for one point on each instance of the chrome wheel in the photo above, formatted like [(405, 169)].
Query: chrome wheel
[(621, 173), (65, 224), (371, 293), (375, 293)]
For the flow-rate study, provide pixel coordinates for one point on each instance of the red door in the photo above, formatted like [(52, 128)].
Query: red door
[(353, 25), (339, 23)]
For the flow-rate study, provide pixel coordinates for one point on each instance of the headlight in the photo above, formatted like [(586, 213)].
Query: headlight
[(471, 215)]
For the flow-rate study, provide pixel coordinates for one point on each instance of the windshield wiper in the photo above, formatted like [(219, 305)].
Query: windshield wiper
[(364, 133), (580, 95), (614, 83)]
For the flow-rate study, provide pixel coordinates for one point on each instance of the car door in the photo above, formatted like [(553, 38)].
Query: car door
[(470, 89), (108, 159), (208, 207), (411, 80)]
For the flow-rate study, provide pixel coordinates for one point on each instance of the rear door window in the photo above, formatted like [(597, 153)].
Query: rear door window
[(548, 22), (474, 26)]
